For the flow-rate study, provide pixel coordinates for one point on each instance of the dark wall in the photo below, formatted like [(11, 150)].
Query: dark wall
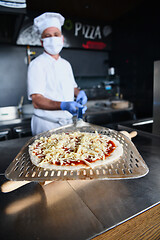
[(136, 45), (87, 63), (13, 70)]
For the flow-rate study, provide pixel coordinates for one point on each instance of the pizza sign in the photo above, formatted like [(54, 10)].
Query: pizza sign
[(77, 34), (87, 36)]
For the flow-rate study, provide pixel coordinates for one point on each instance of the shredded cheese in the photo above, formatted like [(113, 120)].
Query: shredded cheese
[(72, 148)]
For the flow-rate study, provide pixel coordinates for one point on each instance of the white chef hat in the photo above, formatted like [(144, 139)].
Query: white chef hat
[(48, 19)]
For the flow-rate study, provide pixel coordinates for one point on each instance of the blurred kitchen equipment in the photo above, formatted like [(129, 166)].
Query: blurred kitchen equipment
[(8, 113), (156, 99), (20, 105), (119, 104), (22, 131), (111, 71), (5, 134), (29, 54), (27, 109)]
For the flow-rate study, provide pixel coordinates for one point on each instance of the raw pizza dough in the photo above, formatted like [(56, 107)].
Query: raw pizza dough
[(74, 150)]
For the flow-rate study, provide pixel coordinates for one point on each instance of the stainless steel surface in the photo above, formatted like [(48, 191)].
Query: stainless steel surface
[(156, 98), (77, 210), (130, 165), (51, 212), (18, 121)]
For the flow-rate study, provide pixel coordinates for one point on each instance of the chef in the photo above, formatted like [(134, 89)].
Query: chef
[(51, 84)]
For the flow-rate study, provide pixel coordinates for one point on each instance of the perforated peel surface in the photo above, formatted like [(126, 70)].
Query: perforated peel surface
[(129, 165)]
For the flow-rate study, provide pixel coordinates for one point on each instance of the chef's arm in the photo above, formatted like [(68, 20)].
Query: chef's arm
[(76, 92), (41, 102)]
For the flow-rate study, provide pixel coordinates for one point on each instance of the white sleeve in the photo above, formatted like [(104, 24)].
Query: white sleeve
[(35, 79), (72, 76)]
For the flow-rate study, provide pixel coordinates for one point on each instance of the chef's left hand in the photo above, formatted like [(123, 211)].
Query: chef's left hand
[(72, 107), (82, 96)]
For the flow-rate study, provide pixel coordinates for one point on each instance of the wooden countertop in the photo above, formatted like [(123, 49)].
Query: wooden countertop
[(144, 226)]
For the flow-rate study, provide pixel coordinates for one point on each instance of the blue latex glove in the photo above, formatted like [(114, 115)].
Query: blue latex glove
[(72, 107), (82, 96)]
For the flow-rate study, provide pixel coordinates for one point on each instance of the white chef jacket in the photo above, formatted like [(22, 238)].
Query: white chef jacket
[(54, 80)]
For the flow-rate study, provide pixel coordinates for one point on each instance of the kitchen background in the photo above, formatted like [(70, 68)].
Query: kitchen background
[(134, 45)]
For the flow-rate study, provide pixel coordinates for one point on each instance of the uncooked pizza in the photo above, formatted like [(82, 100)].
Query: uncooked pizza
[(74, 150)]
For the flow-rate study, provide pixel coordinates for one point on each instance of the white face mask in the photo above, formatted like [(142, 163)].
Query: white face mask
[(53, 45)]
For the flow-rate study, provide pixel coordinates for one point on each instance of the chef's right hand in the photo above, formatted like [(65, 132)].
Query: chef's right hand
[(71, 107)]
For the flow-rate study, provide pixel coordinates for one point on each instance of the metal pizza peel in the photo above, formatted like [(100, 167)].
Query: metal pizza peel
[(130, 165)]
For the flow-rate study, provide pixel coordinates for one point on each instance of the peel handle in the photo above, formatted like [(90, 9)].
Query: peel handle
[(9, 186), (129, 135), (79, 113)]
